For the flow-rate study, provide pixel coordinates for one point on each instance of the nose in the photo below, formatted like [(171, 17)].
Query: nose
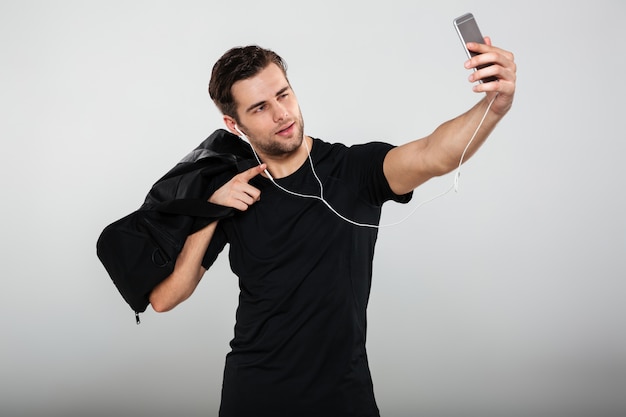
[(280, 112)]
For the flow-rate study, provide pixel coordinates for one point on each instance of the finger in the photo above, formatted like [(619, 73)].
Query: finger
[(252, 172), (478, 47), (488, 49), (240, 205), (485, 48), (500, 67), (247, 198), (252, 193), (239, 200), (485, 75), (499, 61)]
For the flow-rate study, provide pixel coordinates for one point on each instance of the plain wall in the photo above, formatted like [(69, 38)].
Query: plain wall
[(503, 299)]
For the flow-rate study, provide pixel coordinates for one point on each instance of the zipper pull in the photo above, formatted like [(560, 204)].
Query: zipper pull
[(137, 319)]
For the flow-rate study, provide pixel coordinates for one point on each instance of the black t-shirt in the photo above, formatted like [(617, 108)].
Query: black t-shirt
[(305, 277)]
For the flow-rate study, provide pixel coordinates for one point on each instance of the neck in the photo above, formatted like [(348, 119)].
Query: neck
[(284, 165)]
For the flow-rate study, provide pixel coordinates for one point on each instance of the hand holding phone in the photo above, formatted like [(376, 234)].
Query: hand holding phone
[(468, 31)]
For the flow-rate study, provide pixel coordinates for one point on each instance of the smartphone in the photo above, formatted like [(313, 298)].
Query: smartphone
[(468, 31)]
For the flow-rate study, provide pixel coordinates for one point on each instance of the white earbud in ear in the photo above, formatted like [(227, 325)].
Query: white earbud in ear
[(241, 135), (244, 137)]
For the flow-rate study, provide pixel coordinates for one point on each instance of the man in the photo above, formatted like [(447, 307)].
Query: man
[(304, 267)]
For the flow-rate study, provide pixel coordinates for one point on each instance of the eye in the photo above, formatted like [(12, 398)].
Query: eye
[(260, 108)]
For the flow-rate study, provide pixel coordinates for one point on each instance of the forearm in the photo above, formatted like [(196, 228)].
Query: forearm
[(410, 165), (451, 141), (414, 163), (187, 273)]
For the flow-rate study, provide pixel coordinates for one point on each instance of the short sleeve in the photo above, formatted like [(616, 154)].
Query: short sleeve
[(366, 162), (217, 244)]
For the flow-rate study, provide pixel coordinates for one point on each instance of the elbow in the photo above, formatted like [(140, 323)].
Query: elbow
[(160, 304), (171, 292), (164, 301), (160, 307)]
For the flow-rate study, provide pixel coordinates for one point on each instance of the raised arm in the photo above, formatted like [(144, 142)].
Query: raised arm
[(188, 270), (414, 163)]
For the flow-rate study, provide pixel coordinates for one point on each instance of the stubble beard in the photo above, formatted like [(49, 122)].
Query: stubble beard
[(280, 148)]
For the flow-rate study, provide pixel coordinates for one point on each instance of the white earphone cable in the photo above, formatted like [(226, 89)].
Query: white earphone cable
[(455, 185)]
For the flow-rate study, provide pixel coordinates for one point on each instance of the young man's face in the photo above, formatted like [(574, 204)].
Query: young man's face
[(269, 114)]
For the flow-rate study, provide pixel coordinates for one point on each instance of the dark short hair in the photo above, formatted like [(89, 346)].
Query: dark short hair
[(238, 64)]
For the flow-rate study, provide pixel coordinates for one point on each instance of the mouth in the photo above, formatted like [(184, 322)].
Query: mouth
[(287, 130)]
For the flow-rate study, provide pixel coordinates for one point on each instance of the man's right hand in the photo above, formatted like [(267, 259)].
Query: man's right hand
[(237, 193)]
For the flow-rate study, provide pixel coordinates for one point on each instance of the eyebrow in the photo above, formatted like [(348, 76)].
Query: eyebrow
[(260, 103)]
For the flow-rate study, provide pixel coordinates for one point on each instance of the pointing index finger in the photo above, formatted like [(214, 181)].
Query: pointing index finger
[(250, 173)]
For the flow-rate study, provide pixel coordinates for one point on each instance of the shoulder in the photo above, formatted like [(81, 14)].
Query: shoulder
[(323, 149)]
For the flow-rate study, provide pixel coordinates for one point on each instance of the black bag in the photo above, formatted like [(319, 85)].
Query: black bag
[(140, 250)]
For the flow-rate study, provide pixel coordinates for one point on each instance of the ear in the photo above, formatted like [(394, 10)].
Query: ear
[(230, 124)]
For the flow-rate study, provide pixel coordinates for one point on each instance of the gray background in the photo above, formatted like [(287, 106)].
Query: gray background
[(504, 299)]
